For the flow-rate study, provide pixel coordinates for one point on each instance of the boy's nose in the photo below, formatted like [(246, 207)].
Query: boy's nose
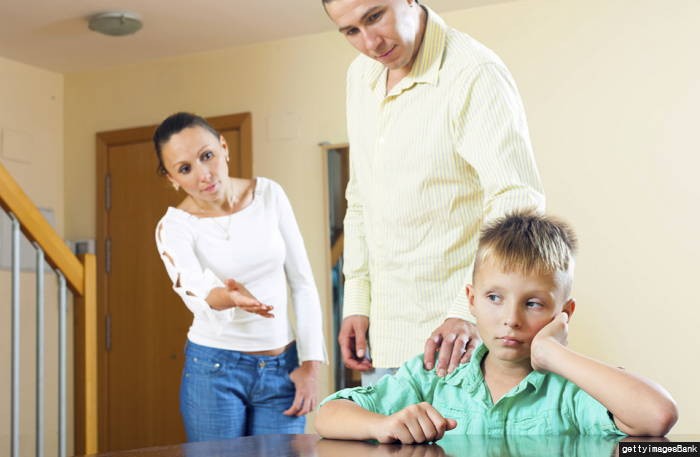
[(512, 317)]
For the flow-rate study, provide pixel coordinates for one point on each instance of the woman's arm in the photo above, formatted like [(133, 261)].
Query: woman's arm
[(304, 294), (235, 295)]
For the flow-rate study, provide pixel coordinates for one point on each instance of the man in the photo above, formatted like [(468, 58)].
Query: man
[(438, 145)]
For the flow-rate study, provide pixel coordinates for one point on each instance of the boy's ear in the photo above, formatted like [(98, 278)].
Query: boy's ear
[(569, 307), (470, 296)]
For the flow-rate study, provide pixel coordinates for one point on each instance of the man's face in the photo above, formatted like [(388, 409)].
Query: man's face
[(385, 30)]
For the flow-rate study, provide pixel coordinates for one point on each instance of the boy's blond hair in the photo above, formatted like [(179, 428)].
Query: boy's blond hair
[(527, 242)]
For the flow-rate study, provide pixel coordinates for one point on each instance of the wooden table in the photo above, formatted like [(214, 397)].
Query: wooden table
[(477, 446)]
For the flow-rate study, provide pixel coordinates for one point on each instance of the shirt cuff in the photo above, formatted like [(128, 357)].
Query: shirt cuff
[(356, 298)]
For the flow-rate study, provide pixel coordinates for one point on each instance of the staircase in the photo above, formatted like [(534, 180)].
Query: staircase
[(76, 274)]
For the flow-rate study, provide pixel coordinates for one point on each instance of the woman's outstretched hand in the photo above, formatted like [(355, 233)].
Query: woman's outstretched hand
[(243, 299)]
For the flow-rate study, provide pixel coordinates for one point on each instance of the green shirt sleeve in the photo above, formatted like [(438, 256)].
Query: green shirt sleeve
[(410, 385), (592, 418)]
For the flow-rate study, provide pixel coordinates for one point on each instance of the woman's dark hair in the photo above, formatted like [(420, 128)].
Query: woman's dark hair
[(172, 125)]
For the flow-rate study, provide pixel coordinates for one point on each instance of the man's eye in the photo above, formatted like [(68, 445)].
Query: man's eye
[(184, 169), (373, 17)]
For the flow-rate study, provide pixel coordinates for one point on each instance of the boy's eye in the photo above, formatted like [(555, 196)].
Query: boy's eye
[(493, 298), (206, 155), (184, 169)]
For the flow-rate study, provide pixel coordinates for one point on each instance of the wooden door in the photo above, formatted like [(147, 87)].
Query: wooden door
[(145, 322)]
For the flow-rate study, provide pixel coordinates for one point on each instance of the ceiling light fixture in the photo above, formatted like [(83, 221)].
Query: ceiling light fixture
[(116, 23)]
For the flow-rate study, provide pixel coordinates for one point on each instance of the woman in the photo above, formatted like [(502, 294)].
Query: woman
[(231, 247)]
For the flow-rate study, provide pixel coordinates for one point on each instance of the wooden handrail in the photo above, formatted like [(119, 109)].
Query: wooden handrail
[(81, 277), (37, 229)]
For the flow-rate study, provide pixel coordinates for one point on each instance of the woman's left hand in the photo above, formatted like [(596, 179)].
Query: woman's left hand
[(305, 379)]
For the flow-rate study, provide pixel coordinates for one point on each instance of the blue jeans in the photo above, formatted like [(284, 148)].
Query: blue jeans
[(225, 394)]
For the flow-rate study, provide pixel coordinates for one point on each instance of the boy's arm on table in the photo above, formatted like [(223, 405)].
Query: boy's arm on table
[(639, 405), (418, 423)]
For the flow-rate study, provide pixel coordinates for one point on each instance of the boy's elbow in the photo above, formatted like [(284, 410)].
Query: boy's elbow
[(659, 423), (666, 419)]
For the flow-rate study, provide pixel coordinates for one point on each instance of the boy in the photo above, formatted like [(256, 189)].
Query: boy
[(522, 379)]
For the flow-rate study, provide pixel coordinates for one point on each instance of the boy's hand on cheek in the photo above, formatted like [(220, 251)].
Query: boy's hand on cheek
[(419, 423), (550, 336)]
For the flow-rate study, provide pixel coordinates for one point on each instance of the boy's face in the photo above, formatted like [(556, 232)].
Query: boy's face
[(511, 307)]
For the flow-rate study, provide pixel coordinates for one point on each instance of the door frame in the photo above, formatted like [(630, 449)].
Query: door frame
[(104, 140)]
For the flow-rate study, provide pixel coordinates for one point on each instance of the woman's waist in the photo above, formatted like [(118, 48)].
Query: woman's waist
[(271, 352), (280, 356), (255, 337)]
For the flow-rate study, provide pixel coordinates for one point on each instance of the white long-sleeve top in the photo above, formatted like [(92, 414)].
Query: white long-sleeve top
[(264, 252)]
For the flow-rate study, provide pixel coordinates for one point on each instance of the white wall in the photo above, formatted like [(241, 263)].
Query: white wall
[(31, 149), (612, 90)]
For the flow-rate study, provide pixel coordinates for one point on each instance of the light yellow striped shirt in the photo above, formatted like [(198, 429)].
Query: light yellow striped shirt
[(445, 150)]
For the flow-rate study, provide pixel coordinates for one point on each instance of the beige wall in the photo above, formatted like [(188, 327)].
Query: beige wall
[(611, 89), (31, 149)]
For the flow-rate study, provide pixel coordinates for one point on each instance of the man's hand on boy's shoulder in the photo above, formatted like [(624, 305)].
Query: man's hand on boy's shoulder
[(551, 335), (454, 340)]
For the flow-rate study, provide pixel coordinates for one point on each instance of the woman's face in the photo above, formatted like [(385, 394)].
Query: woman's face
[(195, 159)]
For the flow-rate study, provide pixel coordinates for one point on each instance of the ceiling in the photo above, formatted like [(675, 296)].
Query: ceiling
[(53, 34)]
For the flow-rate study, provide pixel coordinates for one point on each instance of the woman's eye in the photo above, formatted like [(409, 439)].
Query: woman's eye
[(184, 169), (350, 32), (533, 304)]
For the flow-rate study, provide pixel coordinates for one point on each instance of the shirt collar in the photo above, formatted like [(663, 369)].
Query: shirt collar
[(471, 377), (427, 65)]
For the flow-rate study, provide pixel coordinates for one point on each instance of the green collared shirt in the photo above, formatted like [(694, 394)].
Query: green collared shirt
[(542, 404)]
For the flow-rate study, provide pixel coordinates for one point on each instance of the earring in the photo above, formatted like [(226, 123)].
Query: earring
[(176, 186), (226, 159)]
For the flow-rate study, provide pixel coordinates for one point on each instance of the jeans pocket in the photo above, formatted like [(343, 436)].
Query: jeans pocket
[(203, 366)]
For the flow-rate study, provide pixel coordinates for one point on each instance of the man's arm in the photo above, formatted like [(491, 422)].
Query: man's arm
[(344, 419), (352, 337), (639, 405), (490, 131)]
